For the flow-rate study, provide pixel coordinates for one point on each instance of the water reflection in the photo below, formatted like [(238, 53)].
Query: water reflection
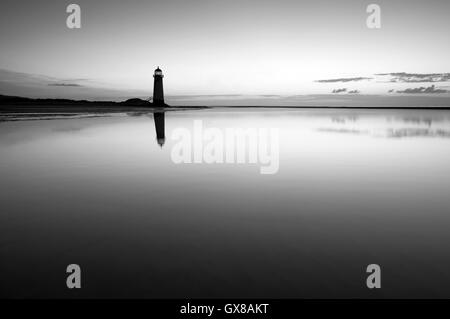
[(337, 203), (159, 118), (390, 132), (417, 132)]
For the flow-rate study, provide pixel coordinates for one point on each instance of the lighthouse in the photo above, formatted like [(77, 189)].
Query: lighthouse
[(158, 92)]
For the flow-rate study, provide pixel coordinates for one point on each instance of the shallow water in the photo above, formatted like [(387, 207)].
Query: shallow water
[(347, 188)]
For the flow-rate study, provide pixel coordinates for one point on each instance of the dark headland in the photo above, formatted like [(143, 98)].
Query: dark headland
[(16, 104)]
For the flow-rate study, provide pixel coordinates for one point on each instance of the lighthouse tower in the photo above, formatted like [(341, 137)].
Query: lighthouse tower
[(158, 92)]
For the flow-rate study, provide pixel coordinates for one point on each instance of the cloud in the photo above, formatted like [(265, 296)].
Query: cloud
[(41, 86), (65, 84), (417, 77), (354, 92), (427, 90), (344, 80), (339, 90)]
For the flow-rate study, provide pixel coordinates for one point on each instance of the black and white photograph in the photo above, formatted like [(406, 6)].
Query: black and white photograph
[(242, 152)]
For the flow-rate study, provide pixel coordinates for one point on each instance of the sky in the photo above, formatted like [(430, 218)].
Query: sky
[(224, 49)]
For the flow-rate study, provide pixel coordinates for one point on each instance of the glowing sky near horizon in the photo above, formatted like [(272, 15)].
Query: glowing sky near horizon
[(224, 47)]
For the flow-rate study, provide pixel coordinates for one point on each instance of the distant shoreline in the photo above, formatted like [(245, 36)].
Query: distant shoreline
[(14, 104)]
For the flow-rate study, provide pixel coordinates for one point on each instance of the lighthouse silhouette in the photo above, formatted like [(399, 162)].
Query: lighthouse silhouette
[(158, 92)]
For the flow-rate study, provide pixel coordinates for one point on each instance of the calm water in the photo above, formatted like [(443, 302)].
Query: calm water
[(351, 188)]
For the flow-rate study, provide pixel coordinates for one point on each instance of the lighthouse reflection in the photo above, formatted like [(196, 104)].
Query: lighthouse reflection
[(159, 119)]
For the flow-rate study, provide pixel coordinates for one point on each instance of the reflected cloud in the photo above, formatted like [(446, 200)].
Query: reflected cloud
[(411, 124), (340, 119), (418, 120), (342, 130), (390, 133), (417, 132)]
